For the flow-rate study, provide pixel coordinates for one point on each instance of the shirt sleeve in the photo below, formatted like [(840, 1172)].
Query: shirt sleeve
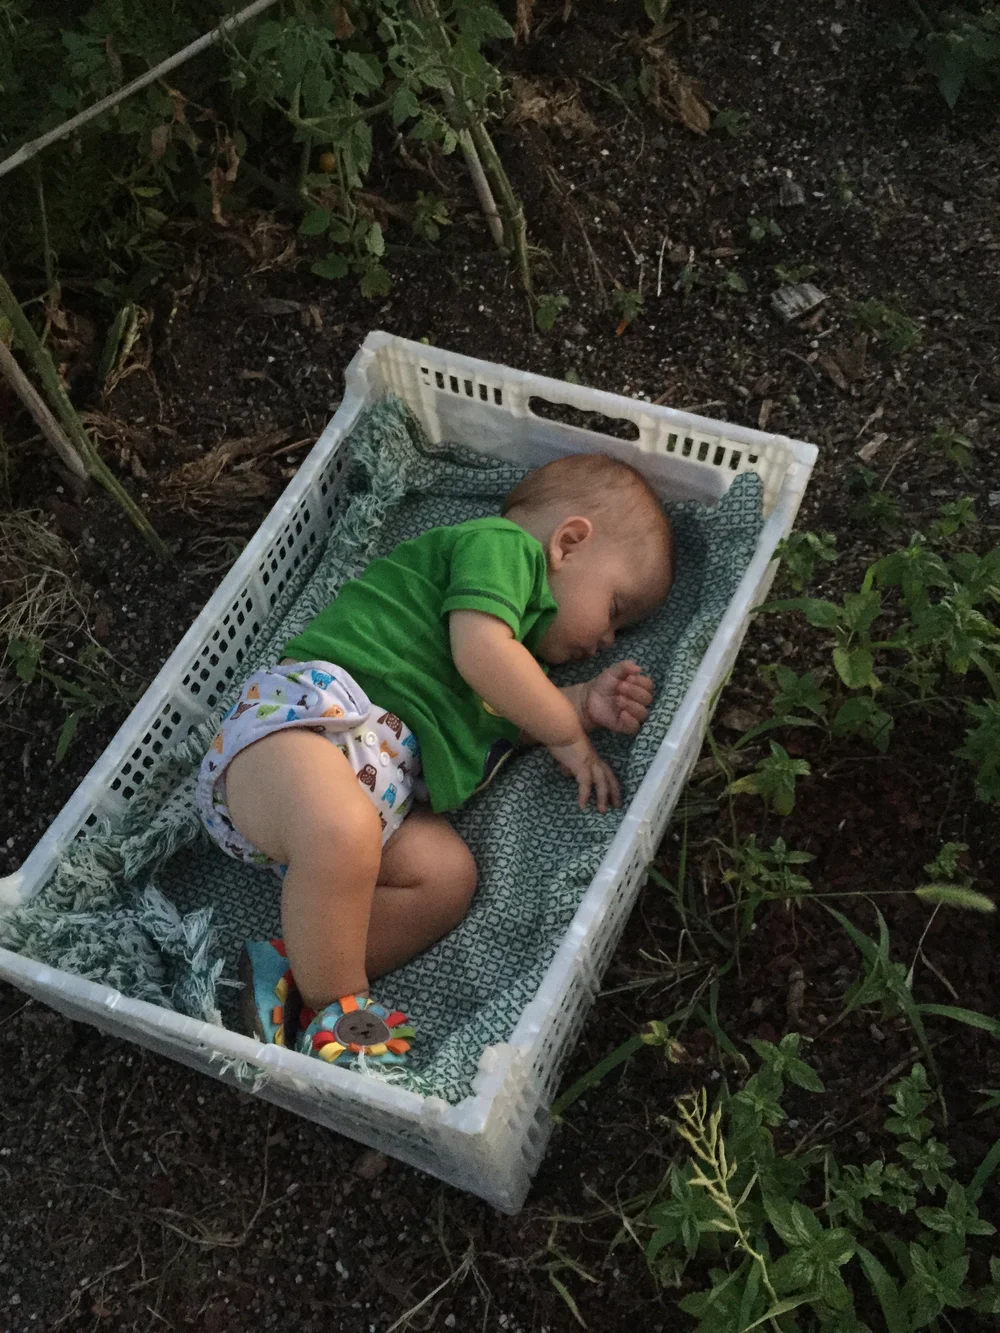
[(495, 571)]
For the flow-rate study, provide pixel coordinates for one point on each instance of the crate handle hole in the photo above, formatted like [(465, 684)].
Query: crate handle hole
[(620, 428)]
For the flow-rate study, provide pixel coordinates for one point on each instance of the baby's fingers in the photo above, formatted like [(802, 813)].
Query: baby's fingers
[(631, 716), (606, 789), (614, 791), (584, 783), (639, 688)]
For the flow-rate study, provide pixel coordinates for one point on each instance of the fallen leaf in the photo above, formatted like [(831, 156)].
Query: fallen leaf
[(764, 416), (159, 138), (550, 105), (343, 24), (178, 101), (689, 106), (868, 451), (852, 357), (221, 179), (834, 371), (739, 719)]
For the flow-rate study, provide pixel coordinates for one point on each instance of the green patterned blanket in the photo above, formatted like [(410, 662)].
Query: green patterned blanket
[(155, 910)]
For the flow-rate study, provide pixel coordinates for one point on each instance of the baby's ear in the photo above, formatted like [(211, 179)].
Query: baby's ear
[(569, 536)]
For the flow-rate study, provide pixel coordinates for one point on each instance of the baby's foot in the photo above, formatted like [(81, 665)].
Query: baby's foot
[(270, 1002), (355, 1028)]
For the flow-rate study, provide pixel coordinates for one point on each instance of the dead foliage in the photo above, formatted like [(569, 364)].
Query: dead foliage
[(133, 448), (128, 349), (847, 363), (522, 24), (268, 243), (667, 88), (552, 104), (38, 593), (71, 339), (231, 475)]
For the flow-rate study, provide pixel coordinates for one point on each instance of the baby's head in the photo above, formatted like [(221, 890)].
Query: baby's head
[(609, 544)]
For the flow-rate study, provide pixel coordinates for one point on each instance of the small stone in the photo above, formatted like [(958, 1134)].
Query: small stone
[(994, 500), (449, 1321), (791, 193)]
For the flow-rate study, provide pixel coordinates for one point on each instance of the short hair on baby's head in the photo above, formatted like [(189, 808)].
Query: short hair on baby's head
[(614, 495)]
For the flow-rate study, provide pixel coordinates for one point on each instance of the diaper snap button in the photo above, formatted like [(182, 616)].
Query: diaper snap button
[(383, 759), (400, 774), (371, 739)]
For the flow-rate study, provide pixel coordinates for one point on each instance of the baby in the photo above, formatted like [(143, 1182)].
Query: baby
[(399, 702)]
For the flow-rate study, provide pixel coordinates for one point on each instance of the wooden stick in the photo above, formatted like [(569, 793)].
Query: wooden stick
[(482, 186), (228, 25), (44, 419)]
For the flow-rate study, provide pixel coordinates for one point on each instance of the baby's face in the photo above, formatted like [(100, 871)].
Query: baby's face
[(601, 589)]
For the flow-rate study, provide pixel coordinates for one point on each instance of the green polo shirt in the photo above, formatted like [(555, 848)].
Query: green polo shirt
[(389, 629)]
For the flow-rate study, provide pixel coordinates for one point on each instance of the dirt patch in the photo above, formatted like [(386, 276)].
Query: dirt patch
[(139, 1196)]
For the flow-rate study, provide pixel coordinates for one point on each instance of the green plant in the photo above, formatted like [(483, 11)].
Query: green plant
[(794, 273), (548, 308), (687, 280), (762, 229), (656, 10), (949, 883), (757, 875), (842, 187), (763, 1230), (956, 448), (941, 630), (800, 552), (90, 691), (732, 121), (795, 693), (731, 281), (957, 517), (626, 304), (897, 331), (959, 47), (873, 505), (430, 214), (860, 715), (250, 114), (773, 779), (982, 747)]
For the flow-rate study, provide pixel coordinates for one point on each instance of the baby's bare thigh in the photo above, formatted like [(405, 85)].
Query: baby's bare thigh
[(426, 850), (290, 793)]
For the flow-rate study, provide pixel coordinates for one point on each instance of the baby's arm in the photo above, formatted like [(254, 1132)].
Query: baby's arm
[(506, 676)]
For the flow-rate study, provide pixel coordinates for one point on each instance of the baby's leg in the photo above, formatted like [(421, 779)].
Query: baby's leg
[(425, 884), (296, 798)]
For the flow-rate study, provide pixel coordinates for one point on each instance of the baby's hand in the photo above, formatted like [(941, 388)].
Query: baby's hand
[(581, 761), (618, 699)]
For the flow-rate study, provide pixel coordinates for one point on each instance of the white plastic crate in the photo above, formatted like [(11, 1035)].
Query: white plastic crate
[(492, 1142)]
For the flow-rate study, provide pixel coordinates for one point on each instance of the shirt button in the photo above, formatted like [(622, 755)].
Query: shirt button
[(371, 739), (383, 759)]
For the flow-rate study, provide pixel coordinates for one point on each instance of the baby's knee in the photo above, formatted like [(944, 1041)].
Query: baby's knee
[(336, 833)]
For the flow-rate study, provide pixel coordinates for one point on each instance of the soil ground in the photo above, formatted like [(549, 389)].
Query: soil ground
[(139, 1196)]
